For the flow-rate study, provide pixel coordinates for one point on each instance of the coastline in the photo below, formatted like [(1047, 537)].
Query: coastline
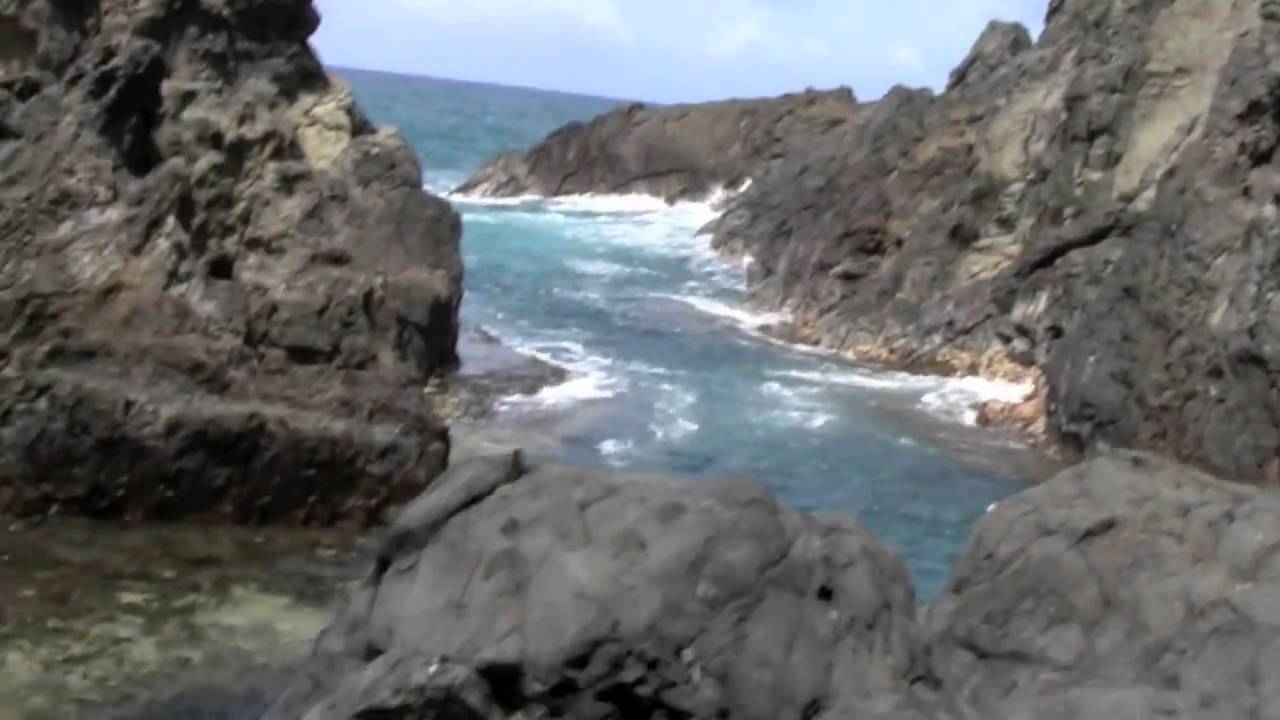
[(1027, 417)]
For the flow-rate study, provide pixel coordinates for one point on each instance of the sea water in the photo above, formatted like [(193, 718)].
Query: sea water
[(668, 368)]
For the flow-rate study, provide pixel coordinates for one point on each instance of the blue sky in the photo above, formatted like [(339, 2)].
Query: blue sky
[(666, 50)]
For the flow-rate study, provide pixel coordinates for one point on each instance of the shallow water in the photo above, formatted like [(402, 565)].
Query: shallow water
[(97, 616), (668, 368)]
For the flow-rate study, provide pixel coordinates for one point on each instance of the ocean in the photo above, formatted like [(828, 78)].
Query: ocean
[(668, 368)]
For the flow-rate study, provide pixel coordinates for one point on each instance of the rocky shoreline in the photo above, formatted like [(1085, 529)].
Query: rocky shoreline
[(224, 296), (1092, 209)]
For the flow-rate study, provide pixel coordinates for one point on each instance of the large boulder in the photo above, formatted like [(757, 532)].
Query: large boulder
[(506, 591), (1096, 210), (1128, 587), (222, 289)]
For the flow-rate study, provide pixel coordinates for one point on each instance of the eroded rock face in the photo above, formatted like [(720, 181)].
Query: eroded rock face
[(1127, 587), (1098, 208), (567, 592), (221, 287)]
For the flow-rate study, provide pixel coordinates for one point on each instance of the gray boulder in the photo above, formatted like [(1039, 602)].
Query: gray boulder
[(574, 592), (1128, 587)]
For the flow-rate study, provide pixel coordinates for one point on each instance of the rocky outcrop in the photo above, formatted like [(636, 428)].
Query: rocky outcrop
[(1129, 587), (675, 152), (221, 288), (1097, 208), (567, 592)]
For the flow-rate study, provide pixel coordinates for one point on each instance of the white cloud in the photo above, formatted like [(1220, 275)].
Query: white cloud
[(905, 56), (593, 15)]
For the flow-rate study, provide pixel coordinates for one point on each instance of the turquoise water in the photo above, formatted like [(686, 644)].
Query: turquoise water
[(668, 369)]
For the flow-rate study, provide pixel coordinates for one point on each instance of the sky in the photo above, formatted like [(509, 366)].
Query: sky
[(666, 50)]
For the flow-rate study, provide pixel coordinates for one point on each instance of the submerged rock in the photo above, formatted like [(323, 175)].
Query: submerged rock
[(1128, 587), (1097, 208), (222, 289)]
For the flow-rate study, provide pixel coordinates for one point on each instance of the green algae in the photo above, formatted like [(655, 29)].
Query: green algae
[(96, 615)]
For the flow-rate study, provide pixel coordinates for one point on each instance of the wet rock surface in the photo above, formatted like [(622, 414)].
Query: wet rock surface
[(1096, 208), (1129, 586), (222, 289)]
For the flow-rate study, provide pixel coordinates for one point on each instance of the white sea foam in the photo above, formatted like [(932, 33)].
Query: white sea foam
[(607, 203), (672, 411), (868, 379), (742, 317), (592, 386), (959, 398), (486, 201), (590, 377), (796, 406), (603, 268), (950, 398), (807, 419), (637, 223), (615, 451), (600, 204)]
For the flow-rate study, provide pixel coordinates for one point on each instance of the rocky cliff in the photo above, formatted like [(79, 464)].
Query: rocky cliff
[(221, 288), (676, 152), (1096, 209), (1129, 587)]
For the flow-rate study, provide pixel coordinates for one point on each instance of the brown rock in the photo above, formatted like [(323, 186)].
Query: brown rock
[(221, 288)]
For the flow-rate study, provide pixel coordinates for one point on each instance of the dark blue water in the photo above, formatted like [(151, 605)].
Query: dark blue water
[(667, 367)]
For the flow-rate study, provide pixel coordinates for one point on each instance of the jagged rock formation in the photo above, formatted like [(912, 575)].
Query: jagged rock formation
[(1129, 587), (676, 152), (1097, 208), (221, 288)]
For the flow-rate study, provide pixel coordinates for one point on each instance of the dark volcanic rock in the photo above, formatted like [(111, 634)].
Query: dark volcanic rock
[(676, 152), (1128, 587), (1098, 208), (567, 592), (221, 288)]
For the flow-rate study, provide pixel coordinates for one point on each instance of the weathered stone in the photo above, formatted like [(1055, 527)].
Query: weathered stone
[(1127, 587), (221, 288), (580, 593)]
